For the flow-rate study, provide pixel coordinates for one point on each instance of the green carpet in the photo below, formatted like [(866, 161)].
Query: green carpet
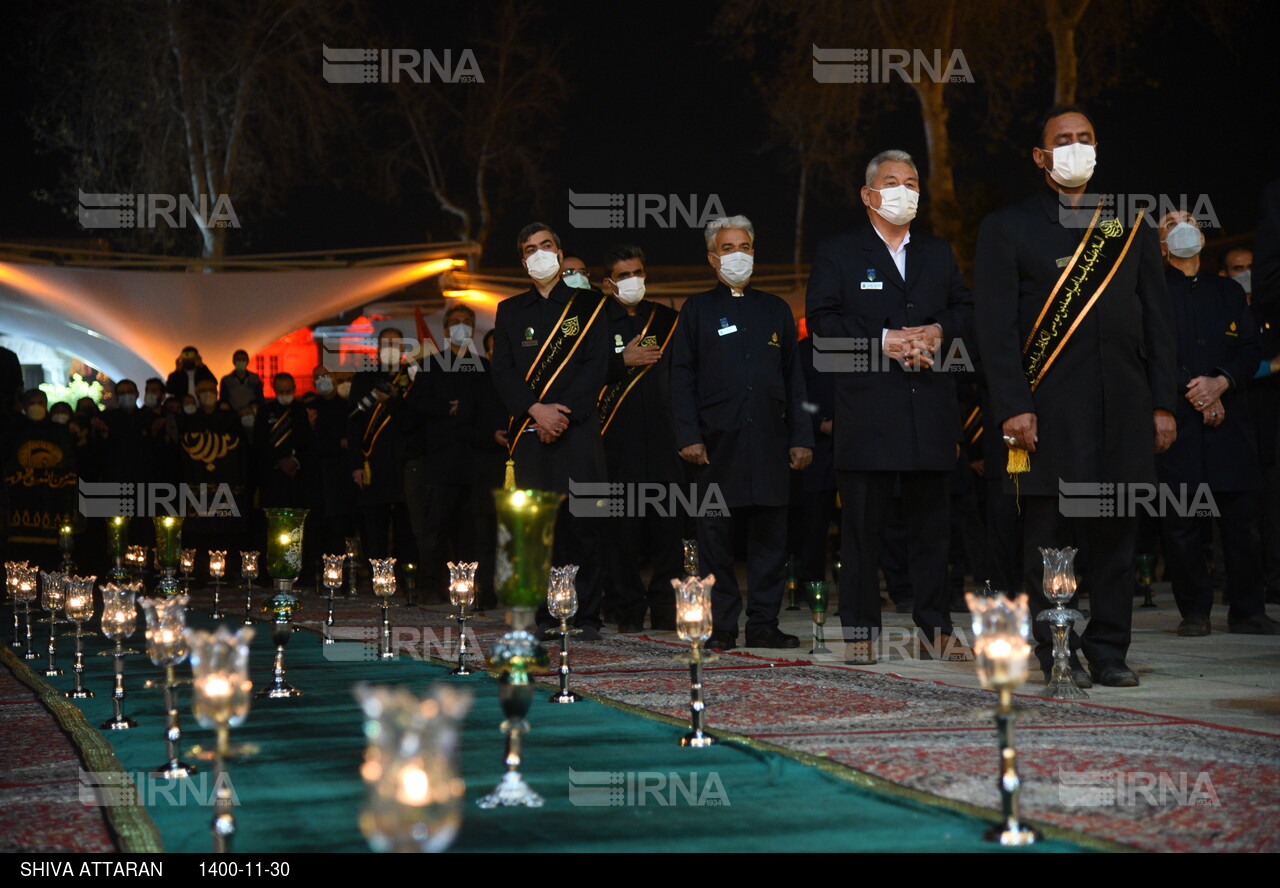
[(302, 791)]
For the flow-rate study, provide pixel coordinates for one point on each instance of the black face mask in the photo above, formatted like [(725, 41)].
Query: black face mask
[(188, 365)]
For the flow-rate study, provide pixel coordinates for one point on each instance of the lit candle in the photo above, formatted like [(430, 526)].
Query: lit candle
[(415, 787), (216, 687), (693, 615)]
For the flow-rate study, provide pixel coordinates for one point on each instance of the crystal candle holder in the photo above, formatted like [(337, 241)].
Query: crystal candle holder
[(819, 599), (526, 533), (119, 621), (353, 564), (118, 548), (52, 600), (384, 586), (136, 560), (79, 608), (1059, 584), (284, 563), (462, 595), (562, 604), (249, 573), (13, 572), (167, 647), (331, 575), (168, 552), (220, 700), (187, 564), (690, 557), (67, 543), (693, 624), (217, 570), (1001, 628), (414, 792), (25, 592)]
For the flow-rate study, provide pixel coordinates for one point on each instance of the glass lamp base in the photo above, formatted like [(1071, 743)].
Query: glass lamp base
[(173, 771), (564, 697), (511, 792), (1012, 835), (119, 724), (699, 739)]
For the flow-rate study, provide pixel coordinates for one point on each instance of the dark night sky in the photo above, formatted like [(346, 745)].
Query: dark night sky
[(657, 108)]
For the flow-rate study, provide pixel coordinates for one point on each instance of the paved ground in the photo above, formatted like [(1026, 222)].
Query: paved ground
[(1224, 679)]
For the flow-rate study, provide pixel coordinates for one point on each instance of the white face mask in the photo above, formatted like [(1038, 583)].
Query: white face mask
[(630, 290), (344, 389), (1073, 164), (150, 401), (460, 334), (543, 266), (324, 385), (390, 356), (735, 268), (128, 402), (577, 279), (1183, 240), (247, 420), (1244, 279), (286, 400), (61, 418), (897, 204), (188, 409)]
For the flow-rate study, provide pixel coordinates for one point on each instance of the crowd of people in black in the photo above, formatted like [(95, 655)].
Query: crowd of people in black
[(1172, 379)]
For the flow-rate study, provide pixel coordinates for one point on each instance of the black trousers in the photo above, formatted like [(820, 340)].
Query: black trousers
[(378, 523), (580, 541), (1003, 536), (1104, 569), (437, 513), (654, 540), (818, 509), (926, 505), (766, 528), (1241, 549)]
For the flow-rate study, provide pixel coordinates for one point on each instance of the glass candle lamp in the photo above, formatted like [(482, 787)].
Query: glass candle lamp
[(52, 599), (384, 586), (462, 595), (1059, 584), (284, 563), (13, 570), (562, 604), (220, 700), (25, 590), (1001, 627), (217, 570), (119, 621), (118, 547), (249, 572), (67, 543), (187, 564), (522, 569), (331, 576), (693, 624), (167, 647), (136, 560), (79, 608), (168, 552)]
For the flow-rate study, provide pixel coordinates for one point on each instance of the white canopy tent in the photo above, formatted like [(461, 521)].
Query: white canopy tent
[(130, 318)]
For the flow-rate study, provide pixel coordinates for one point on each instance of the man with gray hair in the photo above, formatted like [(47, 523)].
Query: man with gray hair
[(897, 297), (736, 394)]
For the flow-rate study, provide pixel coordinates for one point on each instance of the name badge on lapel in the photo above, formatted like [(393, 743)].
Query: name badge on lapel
[(726, 328), (618, 346), (871, 283), (529, 341)]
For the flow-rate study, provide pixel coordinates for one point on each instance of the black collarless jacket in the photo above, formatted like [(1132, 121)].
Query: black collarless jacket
[(1094, 407), (524, 323), (1217, 336), (741, 393), (640, 442), (889, 418)]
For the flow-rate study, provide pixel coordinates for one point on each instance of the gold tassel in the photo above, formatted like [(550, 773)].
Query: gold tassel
[(1019, 461), (368, 473), (509, 479)]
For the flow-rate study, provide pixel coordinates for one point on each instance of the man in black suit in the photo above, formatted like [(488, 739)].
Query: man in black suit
[(550, 361), (1218, 352), (189, 373), (1084, 387), (896, 296), (640, 445), (737, 394)]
